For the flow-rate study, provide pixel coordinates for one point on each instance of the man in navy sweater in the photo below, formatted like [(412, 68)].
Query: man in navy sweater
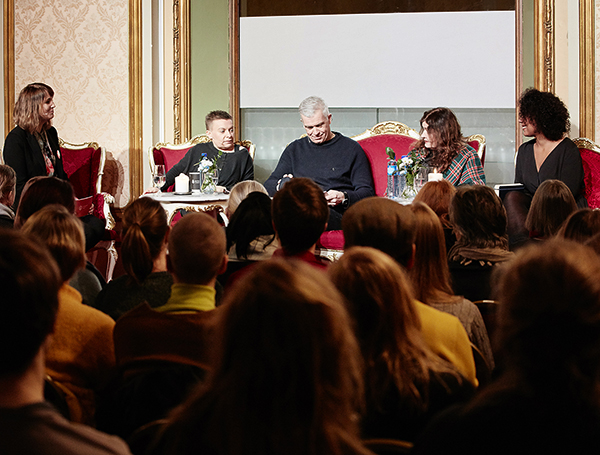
[(335, 162)]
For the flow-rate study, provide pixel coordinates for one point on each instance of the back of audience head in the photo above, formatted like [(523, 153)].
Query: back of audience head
[(552, 203), (550, 316), (251, 220), (8, 181), (300, 215), (430, 274), (197, 249), (382, 224), (39, 192), (478, 217), (145, 230), (62, 233), (239, 192), (437, 195), (287, 378), (581, 225), (30, 281), (380, 300)]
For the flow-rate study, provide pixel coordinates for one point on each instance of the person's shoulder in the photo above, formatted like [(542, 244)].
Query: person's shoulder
[(17, 133), (432, 314)]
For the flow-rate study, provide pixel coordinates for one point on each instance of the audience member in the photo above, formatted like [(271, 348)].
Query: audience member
[(81, 355), (42, 191), (239, 192), (406, 383), (479, 221), (300, 216), (390, 227), (164, 351), (337, 164), (30, 282), (144, 255), (445, 149), (548, 399), (549, 155), (8, 180), (287, 378), (551, 205), (430, 276), (250, 232), (581, 225), (233, 161), (438, 195)]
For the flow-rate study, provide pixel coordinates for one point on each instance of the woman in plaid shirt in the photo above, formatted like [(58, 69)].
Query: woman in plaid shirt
[(445, 149)]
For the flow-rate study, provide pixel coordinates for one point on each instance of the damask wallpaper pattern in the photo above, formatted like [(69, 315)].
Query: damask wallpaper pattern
[(80, 49)]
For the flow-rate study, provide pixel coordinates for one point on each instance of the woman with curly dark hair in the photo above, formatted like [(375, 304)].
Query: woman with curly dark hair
[(549, 155), (445, 149)]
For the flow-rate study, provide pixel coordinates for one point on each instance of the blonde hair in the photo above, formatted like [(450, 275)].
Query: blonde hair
[(27, 108), (62, 233), (239, 192)]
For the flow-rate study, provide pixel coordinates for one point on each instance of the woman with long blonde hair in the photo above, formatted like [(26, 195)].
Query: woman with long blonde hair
[(405, 383)]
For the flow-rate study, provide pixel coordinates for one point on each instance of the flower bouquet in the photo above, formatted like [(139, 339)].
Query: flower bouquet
[(410, 165), (210, 173)]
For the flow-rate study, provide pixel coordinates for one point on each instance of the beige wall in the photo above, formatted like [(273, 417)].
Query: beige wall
[(81, 50)]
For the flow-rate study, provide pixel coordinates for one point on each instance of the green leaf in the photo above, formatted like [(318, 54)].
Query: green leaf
[(390, 153)]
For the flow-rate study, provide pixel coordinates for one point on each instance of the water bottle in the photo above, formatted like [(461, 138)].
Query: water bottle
[(392, 181)]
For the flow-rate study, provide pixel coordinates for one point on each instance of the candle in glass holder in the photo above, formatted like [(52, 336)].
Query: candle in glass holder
[(182, 183), (435, 176)]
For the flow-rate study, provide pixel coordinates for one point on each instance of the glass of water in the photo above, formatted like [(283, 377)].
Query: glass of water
[(159, 177)]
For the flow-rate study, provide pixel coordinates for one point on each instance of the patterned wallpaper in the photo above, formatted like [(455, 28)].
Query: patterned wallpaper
[(80, 49)]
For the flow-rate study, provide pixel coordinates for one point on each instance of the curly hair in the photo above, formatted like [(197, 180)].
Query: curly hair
[(546, 112), (445, 129)]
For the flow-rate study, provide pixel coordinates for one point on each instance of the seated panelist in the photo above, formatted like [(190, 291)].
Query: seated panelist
[(235, 163), (335, 162)]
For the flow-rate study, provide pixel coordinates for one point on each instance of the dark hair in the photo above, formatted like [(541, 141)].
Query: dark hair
[(477, 213), (39, 192), (196, 248), (300, 214), (251, 219), (216, 115), (287, 377), (26, 113), (448, 137), (430, 274), (550, 318), (437, 195), (581, 225), (552, 203), (8, 180), (62, 233), (546, 112), (144, 230), (382, 224), (380, 300), (30, 281)]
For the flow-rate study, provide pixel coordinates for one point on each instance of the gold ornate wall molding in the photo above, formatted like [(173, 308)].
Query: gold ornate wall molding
[(544, 45), (182, 109), (9, 63), (587, 69), (136, 184), (234, 64)]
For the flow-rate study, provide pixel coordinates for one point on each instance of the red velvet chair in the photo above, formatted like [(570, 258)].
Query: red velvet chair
[(477, 141), (84, 165), (590, 155), (169, 154), (374, 141)]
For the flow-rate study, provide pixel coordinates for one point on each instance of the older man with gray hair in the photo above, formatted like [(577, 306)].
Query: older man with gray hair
[(335, 162)]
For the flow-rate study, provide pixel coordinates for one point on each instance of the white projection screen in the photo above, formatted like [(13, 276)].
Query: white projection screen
[(457, 59)]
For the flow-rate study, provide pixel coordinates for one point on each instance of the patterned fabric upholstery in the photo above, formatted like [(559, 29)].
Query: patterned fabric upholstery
[(590, 156)]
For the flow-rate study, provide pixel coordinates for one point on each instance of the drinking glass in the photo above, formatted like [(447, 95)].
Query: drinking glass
[(421, 178), (159, 177)]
